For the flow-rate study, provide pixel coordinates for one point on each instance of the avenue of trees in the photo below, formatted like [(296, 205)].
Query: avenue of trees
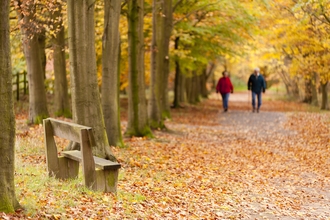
[(102, 48)]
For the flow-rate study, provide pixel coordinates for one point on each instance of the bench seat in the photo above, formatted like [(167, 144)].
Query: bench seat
[(99, 162)]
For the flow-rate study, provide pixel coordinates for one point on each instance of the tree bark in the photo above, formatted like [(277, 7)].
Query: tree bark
[(179, 82), (176, 101), (35, 65), (157, 78), (193, 88), (110, 71), (42, 51), (137, 106), (189, 89), (203, 80), (8, 201), (61, 102), (182, 92), (168, 13), (324, 90), (86, 103), (196, 87), (308, 91), (315, 100)]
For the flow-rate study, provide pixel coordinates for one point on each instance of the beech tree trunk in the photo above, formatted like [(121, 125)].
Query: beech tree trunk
[(61, 102), (35, 65), (189, 89), (110, 71), (86, 102), (182, 85), (137, 106), (324, 90), (203, 80), (193, 88), (8, 201), (315, 100), (168, 16), (308, 91), (176, 101), (42, 50), (179, 81), (156, 103)]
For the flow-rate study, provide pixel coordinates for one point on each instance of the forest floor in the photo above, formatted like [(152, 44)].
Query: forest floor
[(209, 165)]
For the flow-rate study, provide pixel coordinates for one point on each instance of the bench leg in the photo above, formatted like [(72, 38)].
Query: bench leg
[(69, 169), (106, 180)]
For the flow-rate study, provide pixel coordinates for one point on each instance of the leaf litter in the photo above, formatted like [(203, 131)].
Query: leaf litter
[(209, 165)]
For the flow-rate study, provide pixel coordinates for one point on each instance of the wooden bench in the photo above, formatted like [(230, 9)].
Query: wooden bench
[(99, 174)]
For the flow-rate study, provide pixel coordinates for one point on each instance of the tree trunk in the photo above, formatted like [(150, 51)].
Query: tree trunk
[(86, 102), (315, 100), (179, 81), (37, 93), (189, 89), (203, 80), (193, 88), (35, 66), (8, 201), (157, 78), (176, 101), (196, 87), (308, 91), (61, 102), (182, 92), (110, 71), (324, 90), (168, 27), (137, 106), (42, 51)]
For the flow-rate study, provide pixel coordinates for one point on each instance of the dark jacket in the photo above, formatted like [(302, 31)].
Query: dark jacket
[(224, 85), (257, 83)]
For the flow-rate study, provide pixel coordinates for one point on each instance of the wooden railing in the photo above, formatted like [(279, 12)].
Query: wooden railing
[(20, 84)]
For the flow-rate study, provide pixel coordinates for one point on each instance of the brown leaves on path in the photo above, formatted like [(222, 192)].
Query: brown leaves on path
[(210, 165)]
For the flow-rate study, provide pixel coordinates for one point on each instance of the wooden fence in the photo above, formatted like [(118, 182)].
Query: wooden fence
[(20, 84)]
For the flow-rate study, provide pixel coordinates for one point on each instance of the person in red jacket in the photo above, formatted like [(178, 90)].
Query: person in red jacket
[(224, 87)]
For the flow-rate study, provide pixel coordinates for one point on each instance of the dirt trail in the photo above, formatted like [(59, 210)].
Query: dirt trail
[(305, 191), (241, 118)]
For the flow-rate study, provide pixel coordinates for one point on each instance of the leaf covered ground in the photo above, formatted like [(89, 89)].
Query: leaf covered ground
[(209, 165)]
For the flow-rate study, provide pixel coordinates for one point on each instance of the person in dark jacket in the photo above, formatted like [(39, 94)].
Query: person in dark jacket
[(224, 87), (257, 85)]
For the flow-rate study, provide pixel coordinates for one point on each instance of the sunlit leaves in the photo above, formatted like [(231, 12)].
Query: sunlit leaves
[(209, 29), (300, 29)]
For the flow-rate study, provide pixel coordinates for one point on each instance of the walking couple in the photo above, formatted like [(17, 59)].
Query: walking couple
[(256, 84)]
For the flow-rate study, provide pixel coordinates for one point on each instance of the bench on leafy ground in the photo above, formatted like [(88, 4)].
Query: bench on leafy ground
[(99, 174)]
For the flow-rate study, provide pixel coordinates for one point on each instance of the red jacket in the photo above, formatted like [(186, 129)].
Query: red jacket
[(224, 85)]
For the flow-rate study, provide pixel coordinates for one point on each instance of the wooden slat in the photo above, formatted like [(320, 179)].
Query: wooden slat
[(88, 163), (67, 130), (99, 162), (106, 164), (51, 149)]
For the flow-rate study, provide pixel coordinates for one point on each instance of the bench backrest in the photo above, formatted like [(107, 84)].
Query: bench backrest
[(73, 132), (67, 130)]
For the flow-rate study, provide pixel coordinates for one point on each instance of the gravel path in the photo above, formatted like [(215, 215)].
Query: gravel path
[(264, 130), (260, 125)]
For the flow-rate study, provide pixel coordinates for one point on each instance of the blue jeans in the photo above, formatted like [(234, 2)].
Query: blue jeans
[(225, 98), (254, 99)]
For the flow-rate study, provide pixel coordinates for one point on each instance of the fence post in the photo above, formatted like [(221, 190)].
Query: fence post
[(25, 87), (17, 86)]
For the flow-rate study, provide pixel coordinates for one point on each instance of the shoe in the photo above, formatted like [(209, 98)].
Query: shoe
[(254, 109), (226, 109), (257, 110)]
